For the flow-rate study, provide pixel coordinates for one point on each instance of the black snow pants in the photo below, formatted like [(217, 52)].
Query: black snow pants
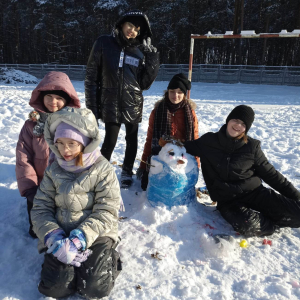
[(95, 277), (110, 140), (262, 213)]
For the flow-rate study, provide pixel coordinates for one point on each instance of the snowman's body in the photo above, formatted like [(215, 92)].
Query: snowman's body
[(172, 177)]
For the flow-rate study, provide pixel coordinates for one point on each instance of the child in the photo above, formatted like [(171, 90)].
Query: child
[(75, 210), (233, 167), (54, 92), (119, 68), (173, 115)]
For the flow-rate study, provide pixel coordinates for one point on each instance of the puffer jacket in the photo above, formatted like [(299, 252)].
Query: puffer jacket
[(89, 200), (177, 129), (32, 151), (113, 91), (233, 169)]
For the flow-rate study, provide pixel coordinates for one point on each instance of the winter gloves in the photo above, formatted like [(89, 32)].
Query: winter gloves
[(65, 251), (142, 175), (147, 47), (78, 238), (68, 250), (139, 173), (54, 236)]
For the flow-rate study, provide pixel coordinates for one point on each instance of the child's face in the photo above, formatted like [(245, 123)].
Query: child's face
[(54, 102), (235, 127), (68, 148), (129, 30), (176, 96)]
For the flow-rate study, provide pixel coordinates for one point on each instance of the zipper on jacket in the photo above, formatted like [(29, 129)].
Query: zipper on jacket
[(120, 74)]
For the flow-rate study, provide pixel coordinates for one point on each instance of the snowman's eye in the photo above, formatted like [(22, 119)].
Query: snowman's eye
[(172, 153)]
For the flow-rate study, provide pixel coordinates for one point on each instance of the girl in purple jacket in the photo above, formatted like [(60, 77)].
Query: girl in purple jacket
[(54, 92)]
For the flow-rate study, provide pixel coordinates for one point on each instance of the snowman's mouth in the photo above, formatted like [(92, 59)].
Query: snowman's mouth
[(180, 162)]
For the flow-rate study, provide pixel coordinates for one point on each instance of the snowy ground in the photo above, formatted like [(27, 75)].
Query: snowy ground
[(191, 266)]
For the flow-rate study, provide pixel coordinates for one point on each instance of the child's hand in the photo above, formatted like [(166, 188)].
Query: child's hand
[(81, 257), (65, 251), (78, 238), (54, 236)]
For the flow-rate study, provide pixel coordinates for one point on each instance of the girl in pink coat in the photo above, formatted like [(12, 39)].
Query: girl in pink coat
[(54, 92)]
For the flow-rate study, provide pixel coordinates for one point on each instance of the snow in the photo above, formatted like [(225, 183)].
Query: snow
[(14, 76), (169, 253)]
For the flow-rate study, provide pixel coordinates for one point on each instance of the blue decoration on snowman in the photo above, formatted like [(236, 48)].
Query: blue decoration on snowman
[(173, 175)]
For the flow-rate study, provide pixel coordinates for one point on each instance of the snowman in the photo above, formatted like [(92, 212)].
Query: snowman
[(173, 175)]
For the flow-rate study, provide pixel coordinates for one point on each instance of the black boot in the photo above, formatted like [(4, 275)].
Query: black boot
[(126, 177)]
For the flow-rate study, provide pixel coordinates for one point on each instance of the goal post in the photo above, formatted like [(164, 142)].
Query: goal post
[(245, 34)]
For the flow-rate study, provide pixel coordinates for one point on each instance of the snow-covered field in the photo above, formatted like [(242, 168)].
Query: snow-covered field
[(190, 266)]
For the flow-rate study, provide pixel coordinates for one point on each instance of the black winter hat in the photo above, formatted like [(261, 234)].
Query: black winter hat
[(180, 81), (244, 113), (57, 92)]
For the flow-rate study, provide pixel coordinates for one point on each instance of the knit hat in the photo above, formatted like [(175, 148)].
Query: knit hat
[(58, 93), (64, 130), (180, 81), (244, 113)]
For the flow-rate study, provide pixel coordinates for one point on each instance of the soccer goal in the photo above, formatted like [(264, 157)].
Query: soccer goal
[(245, 34)]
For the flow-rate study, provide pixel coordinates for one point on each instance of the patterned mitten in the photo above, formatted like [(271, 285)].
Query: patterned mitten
[(65, 251), (81, 257), (78, 238), (54, 236)]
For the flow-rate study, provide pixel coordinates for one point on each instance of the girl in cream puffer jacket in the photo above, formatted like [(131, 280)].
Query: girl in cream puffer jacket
[(75, 210)]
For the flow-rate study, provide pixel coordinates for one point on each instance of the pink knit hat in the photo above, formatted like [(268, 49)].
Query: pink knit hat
[(65, 130)]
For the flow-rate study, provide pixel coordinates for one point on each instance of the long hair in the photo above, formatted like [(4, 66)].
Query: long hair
[(79, 161), (243, 136)]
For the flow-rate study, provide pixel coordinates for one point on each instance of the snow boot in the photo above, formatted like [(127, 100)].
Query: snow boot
[(126, 177)]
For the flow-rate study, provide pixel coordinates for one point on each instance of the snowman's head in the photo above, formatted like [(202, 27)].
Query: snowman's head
[(173, 153)]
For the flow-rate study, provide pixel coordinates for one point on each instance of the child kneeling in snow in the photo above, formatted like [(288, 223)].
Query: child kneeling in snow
[(75, 210), (173, 175)]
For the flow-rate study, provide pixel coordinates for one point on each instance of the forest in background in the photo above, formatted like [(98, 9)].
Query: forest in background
[(63, 31)]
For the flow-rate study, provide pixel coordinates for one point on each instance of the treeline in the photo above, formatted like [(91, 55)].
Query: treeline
[(63, 31)]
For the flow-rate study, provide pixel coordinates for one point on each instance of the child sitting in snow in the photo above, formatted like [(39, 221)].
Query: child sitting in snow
[(75, 210), (54, 92), (173, 175), (233, 167)]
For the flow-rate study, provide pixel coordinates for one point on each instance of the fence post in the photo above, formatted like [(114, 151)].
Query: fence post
[(283, 77)]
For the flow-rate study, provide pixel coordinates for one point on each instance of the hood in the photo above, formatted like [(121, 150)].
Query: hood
[(51, 82), (81, 119), (146, 32)]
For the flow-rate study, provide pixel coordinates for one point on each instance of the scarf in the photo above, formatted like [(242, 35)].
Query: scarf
[(88, 160), (163, 122), (40, 119)]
